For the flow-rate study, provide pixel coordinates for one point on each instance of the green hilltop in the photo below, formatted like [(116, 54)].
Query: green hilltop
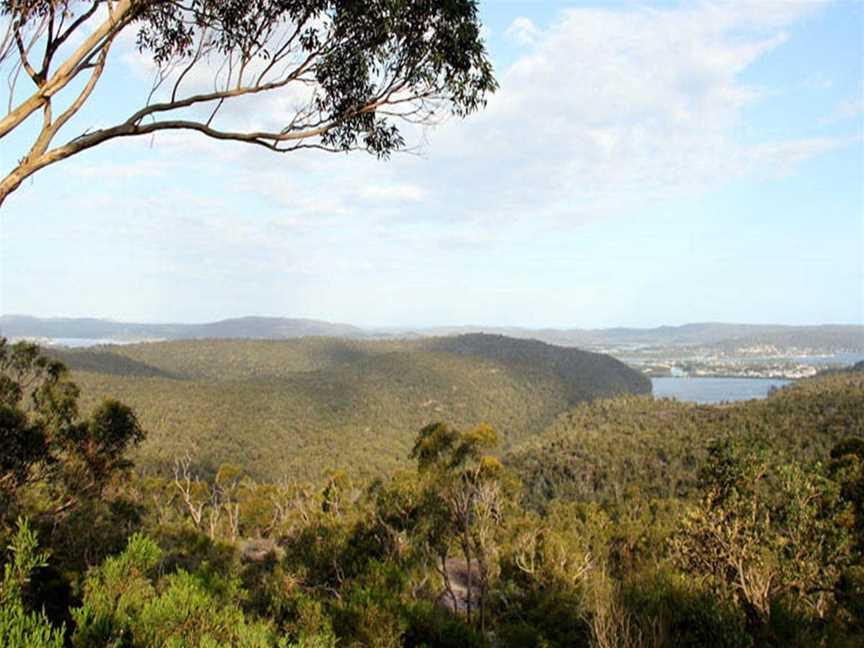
[(299, 407)]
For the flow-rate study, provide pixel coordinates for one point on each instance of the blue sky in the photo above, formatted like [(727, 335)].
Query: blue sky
[(641, 164)]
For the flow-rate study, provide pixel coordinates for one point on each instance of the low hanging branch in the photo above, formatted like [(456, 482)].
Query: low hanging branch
[(351, 72)]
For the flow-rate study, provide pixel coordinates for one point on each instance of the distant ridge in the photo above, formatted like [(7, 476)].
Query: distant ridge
[(829, 337), (265, 328), (835, 337)]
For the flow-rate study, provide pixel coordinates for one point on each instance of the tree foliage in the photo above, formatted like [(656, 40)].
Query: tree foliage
[(612, 449), (286, 407), (46, 443), (763, 531), (350, 71), (763, 547), (18, 626)]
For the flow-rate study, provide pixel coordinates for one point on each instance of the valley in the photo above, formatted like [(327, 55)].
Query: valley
[(300, 407), (431, 324)]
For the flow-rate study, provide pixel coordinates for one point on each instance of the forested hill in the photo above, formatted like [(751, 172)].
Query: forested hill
[(571, 365), (714, 335), (296, 407), (606, 449)]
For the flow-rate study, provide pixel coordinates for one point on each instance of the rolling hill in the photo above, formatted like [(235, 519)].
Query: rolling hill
[(719, 336), (716, 335), (292, 407), (266, 328), (605, 449)]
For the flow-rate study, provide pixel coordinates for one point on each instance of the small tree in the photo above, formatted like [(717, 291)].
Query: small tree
[(347, 72), (128, 602), (44, 438), (38, 407), (462, 503), (847, 468), (763, 532), (18, 627)]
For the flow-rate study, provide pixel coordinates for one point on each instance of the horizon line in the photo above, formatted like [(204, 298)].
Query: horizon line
[(429, 326)]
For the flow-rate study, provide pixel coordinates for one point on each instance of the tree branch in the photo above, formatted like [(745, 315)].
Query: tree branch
[(120, 17)]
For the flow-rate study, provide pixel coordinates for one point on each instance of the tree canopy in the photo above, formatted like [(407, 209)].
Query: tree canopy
[(347, 74), (759, 544), (43, 437)]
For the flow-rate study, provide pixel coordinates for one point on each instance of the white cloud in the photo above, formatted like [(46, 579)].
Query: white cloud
[(110, 172), (780, 158), (607, 111), (845, 110), (523, 31), (603, 112), (399, 193), (611, 109)]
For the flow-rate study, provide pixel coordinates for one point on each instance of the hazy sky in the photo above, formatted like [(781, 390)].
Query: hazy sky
[(642, 164)]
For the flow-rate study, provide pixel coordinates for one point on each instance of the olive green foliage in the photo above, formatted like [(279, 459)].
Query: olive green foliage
[(125, 603), (40, 427), (607, 450), (19, 626), (49, 450), (298, 408), (61, 470), (36, 405), (755, 541), (462, 503), (847, 468), (765, 533)]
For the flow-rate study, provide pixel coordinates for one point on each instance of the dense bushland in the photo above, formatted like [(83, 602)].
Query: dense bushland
[(758, 542), (607, 450), (302, 407)]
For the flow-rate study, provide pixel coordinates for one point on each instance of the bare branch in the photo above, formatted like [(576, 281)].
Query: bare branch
[(86, 92), (195, 59), (185, 483), (117, 19), (63, 36), (23, 51), (6, 40), (203, 98)]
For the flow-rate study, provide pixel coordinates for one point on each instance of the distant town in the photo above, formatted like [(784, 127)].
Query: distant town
[(756, 361), (692, 350)]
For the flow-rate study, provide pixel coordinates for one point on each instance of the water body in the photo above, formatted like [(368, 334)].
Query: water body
[(82, 343), (714, 390)]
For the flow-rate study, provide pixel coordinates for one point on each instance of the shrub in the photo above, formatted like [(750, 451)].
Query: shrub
[(19, 627)]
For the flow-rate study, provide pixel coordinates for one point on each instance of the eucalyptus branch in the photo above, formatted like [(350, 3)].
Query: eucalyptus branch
[(350, 85)]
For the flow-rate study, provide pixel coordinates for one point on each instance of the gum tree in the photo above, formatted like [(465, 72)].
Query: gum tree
[(346, 74), (462, 504), (45, 440)]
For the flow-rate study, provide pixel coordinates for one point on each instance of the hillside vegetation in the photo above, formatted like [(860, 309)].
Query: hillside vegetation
[(297, 407), (608, 449), (627, 523), (727, 337)]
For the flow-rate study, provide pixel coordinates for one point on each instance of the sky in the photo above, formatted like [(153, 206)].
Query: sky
[(641, 164)]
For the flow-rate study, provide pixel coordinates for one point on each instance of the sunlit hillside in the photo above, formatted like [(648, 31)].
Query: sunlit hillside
[(609, 450), (298, 407)]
